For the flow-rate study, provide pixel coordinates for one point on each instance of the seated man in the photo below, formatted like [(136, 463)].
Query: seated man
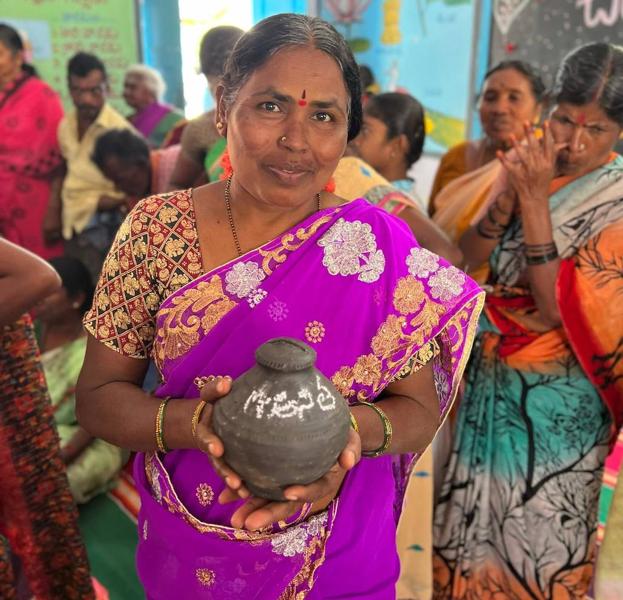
[(125, 159), (143, 89), (92, 209)]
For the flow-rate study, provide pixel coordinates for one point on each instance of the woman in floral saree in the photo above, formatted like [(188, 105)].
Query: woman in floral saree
[(517, 516), (200, 278)]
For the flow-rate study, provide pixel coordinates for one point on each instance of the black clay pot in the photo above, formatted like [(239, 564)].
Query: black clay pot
[(283, 423)]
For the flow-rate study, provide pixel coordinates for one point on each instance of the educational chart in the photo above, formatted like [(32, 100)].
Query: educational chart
[(421, 46), (57, 29), (543, 32)]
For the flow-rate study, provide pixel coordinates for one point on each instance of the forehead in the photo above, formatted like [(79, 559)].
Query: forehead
[(91, 79), (590, 112), (299, 68), (373, 122), (506, 80), (134, 78)]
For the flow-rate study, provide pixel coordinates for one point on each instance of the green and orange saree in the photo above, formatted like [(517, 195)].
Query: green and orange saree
[(517, 515)]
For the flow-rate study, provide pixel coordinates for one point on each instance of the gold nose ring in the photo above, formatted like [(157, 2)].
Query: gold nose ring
[(282, 138)]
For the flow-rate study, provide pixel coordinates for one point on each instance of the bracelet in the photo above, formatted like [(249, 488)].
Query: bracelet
[(540, 248), (540, 254), (196, 416), (160, 444), (541, 259), (387, 431), (353, 422)]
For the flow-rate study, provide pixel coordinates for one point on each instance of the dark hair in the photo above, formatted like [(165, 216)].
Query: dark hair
[(539, 91), (216, 46), (402, 115), (593, 73), (122, 143), (270, 35), (366, 76), (76, 279), (82, 63), (11, 38)]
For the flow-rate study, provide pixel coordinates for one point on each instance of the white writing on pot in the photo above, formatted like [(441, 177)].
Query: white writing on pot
[(280, 406)]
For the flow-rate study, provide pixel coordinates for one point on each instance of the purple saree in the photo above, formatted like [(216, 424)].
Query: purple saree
[(155, 121), (352, 282)]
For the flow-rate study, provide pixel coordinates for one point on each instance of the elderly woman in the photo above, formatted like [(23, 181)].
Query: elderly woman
[(518, 510), (143, 89), (200, 278)]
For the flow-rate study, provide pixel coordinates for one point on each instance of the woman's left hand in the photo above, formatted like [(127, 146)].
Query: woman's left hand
[(532, 165), (258, 513)]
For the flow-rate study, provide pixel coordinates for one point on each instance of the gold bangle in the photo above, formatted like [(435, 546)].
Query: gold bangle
[(160, 443), (196, 416), (353, 422), (387, 432)]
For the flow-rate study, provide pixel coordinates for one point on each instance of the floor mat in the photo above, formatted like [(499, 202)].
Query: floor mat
[(108, 525)]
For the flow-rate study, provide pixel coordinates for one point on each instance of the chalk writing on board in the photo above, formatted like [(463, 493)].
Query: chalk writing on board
[(60, 28), (594, 17), (506, 11)]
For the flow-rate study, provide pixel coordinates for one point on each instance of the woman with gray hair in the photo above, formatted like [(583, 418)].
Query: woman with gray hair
[(517, 514), (143, 89)]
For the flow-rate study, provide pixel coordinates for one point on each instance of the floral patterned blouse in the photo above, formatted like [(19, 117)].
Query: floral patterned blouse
[(156, 252)]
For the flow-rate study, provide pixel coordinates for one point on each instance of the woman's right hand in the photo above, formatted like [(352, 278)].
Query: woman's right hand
[(207, 441)]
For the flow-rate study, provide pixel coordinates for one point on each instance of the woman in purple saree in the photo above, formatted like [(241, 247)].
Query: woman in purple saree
[(391, 323)]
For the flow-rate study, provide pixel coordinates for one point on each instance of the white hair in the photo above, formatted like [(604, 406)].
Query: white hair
[(152, 79)]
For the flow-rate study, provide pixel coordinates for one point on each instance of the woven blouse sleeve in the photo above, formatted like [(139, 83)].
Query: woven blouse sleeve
[(126, 299)]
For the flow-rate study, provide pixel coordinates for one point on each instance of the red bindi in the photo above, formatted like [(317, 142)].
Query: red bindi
[(302, 101), (581, 119)]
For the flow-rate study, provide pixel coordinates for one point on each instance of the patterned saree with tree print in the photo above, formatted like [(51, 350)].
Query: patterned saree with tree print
[(517, 514), (350, 281)]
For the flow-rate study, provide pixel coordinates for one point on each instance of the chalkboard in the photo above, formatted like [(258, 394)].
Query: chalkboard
[(57, 29), (542, 32)]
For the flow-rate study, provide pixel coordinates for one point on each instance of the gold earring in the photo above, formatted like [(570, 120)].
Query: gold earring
[(219, 125)]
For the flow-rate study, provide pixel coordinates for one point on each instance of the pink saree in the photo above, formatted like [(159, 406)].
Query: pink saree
[(30, 112), (353, 283)]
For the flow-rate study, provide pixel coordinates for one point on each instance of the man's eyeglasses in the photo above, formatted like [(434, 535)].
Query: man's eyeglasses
[(97, 90)]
